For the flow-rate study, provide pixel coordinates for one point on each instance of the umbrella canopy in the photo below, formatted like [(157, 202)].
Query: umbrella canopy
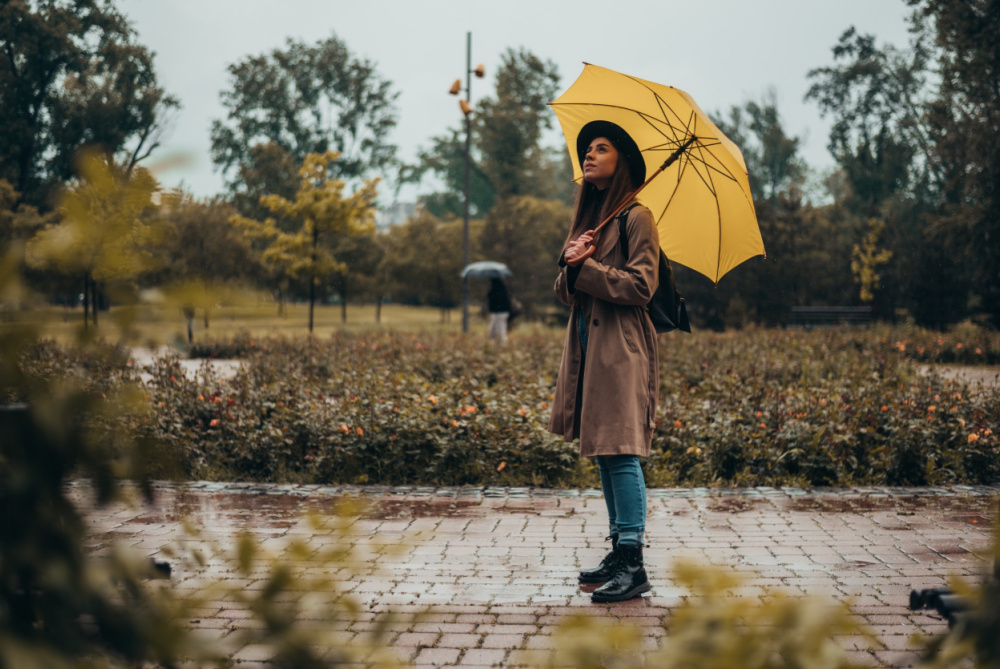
[(486, 269), (701, 201)]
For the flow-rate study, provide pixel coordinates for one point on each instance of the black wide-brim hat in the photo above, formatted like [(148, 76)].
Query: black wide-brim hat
[(622, 142)]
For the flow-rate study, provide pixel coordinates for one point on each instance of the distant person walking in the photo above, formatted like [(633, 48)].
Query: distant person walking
[(607, 386), (498, 303)]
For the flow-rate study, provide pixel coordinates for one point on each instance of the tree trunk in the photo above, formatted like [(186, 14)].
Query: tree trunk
[(93, 301), (378, 309), (312, 301), (189, 319), (86, 301), (312, 282)]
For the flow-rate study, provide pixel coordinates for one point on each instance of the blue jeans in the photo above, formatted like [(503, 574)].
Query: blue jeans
[(625, 494)]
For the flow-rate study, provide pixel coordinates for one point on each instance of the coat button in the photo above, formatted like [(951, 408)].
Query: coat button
[(595, 322)]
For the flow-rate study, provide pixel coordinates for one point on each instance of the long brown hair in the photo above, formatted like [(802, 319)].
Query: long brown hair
[(619, 189)]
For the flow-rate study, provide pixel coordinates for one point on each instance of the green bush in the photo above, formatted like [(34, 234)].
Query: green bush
[(385, 408), (834, 407), (829, 407)]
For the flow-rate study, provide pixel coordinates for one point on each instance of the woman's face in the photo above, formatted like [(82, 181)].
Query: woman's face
[(599, 162)]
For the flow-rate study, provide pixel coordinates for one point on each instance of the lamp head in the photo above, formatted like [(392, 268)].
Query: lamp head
[(480, 71), (466, 107), (455, 87)]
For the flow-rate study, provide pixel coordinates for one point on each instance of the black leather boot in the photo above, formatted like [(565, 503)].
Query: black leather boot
[(628, 580), (602, 573)]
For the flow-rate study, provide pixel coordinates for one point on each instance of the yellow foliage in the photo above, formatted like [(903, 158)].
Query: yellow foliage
[(101, 233), (718, 626), (320, 208), (866, 259)]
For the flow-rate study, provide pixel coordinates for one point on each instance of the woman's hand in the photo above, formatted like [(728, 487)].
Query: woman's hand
[(579, 249)]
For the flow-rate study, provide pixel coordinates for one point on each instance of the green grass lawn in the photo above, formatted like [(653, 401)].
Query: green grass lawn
[(167, 327)]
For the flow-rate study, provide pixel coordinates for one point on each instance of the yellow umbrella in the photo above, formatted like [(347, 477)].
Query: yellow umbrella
[(698, 190)]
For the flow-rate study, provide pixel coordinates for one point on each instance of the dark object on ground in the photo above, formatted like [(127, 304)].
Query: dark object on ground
[(160, 569), (942, 600), (810, 316)]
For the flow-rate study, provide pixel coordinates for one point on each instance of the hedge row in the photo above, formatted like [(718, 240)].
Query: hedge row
[(756, 407)]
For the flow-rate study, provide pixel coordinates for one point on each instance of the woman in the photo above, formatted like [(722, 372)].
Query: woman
[(498, 304), (607, 387)]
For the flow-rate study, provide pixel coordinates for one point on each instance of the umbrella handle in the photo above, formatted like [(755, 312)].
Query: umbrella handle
[(671, 159)]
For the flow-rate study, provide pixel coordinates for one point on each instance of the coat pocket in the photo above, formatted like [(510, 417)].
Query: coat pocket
[(630, 328)]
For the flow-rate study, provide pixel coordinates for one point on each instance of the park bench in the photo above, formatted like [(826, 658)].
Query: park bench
[(811, 316)]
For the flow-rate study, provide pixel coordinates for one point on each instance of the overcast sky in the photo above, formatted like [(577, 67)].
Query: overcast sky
[(722, 52)]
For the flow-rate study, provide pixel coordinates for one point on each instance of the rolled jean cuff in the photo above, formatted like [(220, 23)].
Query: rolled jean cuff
[(633, 539)]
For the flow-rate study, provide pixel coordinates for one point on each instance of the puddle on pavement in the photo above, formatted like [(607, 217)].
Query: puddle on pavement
[(733, 505), (974, 510), (281, 511), (390, 509)]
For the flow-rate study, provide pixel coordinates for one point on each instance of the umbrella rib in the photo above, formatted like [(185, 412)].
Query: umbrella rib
[(642, 115), (652, 122), (660, 102)]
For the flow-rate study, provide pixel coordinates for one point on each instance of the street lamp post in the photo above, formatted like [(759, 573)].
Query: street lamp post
[(466, 107)]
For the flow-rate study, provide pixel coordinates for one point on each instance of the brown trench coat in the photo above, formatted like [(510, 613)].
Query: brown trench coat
[(617, 404)]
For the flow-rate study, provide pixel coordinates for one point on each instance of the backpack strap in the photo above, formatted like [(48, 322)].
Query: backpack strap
[(622, 232)]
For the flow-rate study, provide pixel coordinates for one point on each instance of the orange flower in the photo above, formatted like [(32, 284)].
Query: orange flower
[(201, 398), (885, 408), (470, 409), (214, 422), (454, 423), (360, 432), (343, 428), (501, 466), (432, 399), (677, 423), (759, 414), (973, 437), (931, 409)]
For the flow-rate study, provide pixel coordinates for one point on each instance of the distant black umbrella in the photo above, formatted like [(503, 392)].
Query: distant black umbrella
[(486, 269)]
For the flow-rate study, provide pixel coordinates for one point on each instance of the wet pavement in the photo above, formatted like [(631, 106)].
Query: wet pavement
[(493, 570)]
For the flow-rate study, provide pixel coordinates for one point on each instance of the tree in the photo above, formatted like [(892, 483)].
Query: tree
[(877, 98), (423, 260), (102, 237), (206, 257), (507, 156), (866, 259), (17, 222), (526, 234), (963, 121), (320, 210), (773, 163), (300, 100), (509, 127), (360, 259), (72, 76), (446, 160)]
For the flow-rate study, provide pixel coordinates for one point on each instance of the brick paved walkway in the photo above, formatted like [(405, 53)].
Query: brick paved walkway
[(497, 567)]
